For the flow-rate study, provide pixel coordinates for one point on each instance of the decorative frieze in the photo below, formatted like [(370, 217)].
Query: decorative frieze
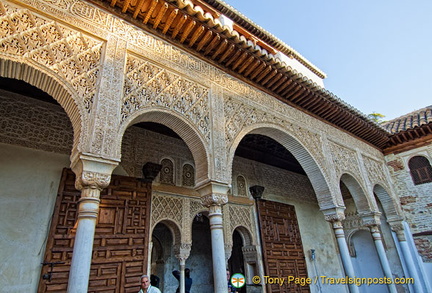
[(69, 54), (344, 159), (375, 170), (150, 86)]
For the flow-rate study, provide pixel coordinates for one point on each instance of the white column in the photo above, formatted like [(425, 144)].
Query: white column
[(376, 235), (408, 258), (344, 252), (335, 216), (83, 245), (182, 253), (213, 196), (93, 174)]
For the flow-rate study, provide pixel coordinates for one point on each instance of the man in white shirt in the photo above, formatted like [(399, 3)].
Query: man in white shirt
[(146, 287)]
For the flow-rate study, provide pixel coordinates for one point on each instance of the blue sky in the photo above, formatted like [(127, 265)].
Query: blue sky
[(377, 54)]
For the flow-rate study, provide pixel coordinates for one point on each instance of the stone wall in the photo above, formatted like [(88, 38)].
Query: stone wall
[(415, 200)]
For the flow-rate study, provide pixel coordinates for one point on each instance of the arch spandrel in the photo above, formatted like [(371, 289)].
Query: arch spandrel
[(55, 88), (63, 62), (326, 195)]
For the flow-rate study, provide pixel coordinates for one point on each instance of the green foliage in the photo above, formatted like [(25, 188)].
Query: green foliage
[(376, 117)]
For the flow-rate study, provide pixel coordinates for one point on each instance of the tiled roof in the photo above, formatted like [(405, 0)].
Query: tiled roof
[(409, 121), (198, 29)]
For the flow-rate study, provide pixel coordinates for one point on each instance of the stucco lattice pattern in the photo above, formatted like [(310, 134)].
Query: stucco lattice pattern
[(34, 124), (240, 216), (166, 207), (148, 85), (69, 54), (344, 159), (375, 170), (196, 207)]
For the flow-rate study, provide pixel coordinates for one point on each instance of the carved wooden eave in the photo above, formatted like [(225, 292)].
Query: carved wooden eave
[(409, 139), (249, 55)]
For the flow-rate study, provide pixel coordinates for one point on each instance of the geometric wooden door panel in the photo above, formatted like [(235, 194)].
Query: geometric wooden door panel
[(120, 242), (282, 245)]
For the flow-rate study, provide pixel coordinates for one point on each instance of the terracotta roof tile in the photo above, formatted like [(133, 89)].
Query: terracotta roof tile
[(409, 121)]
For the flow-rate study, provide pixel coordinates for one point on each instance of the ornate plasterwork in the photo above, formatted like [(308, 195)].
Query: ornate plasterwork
[(93, 180), (375, 170), (241, 186), (179, 210), (344, 159), (235, 216), (34, 124), (166, 174), (167, 207), (150, 86), (188, 175), (68, 54), (239, 115), (240, 216), (214, 199)]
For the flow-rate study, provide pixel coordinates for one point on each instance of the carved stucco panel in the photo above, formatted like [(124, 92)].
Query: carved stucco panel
[(148, 85), (375, 170), (179, 210), (99, 22), (236, 216), (344, 159), (68, 54), (166, 207), (239, 114)]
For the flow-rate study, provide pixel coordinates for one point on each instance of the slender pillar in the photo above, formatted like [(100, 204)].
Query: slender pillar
[(336, 216), (373, 221), (182, 253), (213, 196), (406, 254), (376, 235), (93, 174)]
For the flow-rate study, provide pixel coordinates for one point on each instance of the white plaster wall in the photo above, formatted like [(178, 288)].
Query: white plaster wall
[(29, 182)]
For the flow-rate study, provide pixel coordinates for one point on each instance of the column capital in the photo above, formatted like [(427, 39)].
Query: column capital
[(396, 224), (334, 214), (182, 251), (213, 193), (371, 219), (92, 172)]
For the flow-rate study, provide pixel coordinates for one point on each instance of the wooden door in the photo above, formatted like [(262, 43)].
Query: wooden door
[(282, 245), (120, 242)]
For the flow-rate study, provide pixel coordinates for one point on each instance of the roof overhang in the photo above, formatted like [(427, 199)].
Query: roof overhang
[(195, 26)]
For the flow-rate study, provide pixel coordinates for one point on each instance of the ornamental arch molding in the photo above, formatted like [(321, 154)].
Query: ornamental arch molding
[(56, 58), (391, 208), (326, 199), (183, 128), (55, 87), (173, 227), (363, 203), (245, 234)]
